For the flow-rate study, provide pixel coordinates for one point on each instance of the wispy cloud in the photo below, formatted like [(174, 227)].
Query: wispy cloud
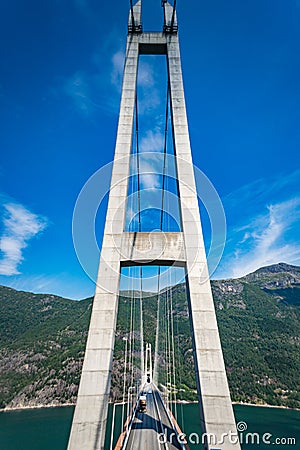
[(267, 239), (258, 191), (98, 85), (149, 180), (152, 141), (263, 220), (77, 87), (146, 78), (35, 283), (149, 95), (150, 170), (61, 284), (151, 88), (19, 226), (150, 163)]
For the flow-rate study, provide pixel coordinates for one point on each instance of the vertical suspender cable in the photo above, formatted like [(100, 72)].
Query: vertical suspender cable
[(172, 349), (124, 386), (169, 341), (132, 16), (141, 322), (173, 16), (133, 332), (155, 369)]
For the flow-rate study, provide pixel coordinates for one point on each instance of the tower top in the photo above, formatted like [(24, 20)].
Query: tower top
[(170, 17), (135, 17)]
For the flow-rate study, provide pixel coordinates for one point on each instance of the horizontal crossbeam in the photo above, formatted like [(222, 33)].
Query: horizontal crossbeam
[(153, 249)]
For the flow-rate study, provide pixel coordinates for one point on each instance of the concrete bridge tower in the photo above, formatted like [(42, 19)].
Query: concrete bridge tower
[(185, 249)]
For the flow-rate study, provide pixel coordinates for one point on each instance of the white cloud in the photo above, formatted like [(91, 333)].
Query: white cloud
[(259, 192), (19, 227), (36, 283), (149, 181), (149, 102), (150, 168), (263, 221), (150, 161), (267, 239), (151, 94), (152, 141), (99, 87), (77, 87), (146, 75), (61, 284), (145, 71)]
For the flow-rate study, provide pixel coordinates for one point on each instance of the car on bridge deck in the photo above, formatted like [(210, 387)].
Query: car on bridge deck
[(142, 404)]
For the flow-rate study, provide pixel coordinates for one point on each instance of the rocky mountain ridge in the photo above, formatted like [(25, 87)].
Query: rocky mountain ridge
[(42, 340)]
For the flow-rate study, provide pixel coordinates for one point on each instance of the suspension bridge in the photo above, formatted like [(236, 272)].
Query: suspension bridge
[(152, 236)]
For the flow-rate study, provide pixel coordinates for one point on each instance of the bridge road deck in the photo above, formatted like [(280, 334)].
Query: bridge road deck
[(147, 427)]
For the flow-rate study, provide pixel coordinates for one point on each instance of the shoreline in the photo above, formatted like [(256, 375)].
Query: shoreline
[(23, 408), (51, 405), (265, 406)]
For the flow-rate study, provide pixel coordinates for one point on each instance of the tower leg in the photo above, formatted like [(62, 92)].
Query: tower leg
[(89, 422)]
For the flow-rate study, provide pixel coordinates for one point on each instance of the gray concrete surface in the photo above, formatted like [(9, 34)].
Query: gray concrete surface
[(153, 248), (89, 422), (148, 426)]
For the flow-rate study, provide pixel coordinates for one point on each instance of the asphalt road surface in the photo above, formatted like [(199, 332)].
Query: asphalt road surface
[(147, 427)]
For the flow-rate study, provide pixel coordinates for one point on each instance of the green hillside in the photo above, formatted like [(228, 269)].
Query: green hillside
[(42, 340)]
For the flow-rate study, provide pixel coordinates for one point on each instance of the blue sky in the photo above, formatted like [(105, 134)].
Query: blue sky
[(60, 80)]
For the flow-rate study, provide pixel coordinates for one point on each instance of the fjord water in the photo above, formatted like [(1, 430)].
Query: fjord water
[(48, 428)]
